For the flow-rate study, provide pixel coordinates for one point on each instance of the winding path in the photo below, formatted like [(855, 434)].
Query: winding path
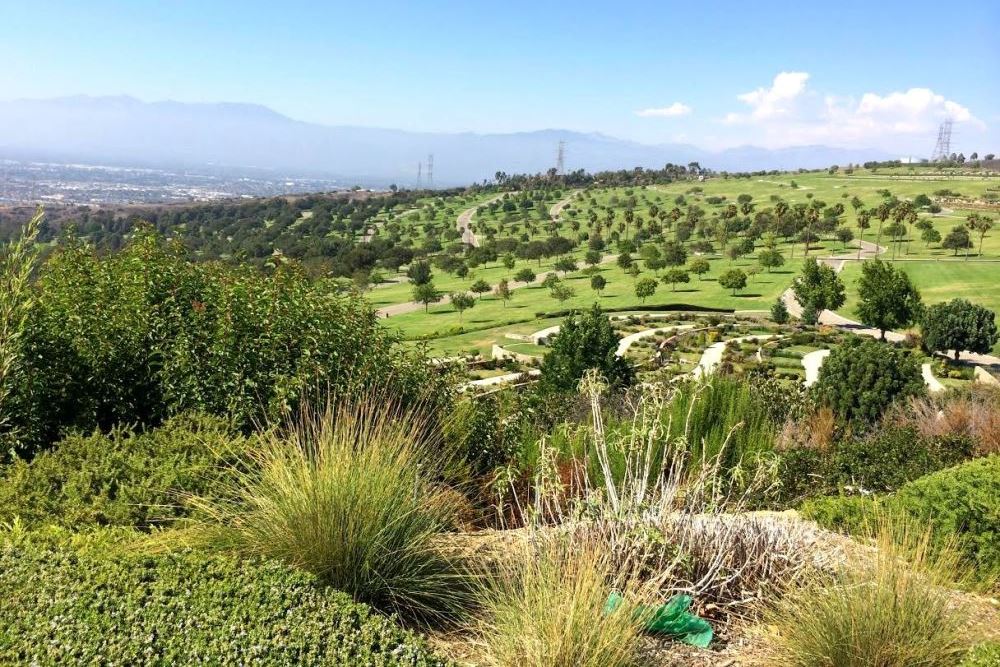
[(812, 362), (712, 356), (556, 210), (465, 219)]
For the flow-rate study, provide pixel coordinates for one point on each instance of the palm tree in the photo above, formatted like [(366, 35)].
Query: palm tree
[(863, 224), (882, 212)]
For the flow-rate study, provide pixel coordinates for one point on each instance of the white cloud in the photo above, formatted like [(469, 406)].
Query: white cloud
[(675, 109), (788, 113), (773, 102)]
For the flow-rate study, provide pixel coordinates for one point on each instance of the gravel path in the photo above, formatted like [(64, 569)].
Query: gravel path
[(712, 356), (558, 207)]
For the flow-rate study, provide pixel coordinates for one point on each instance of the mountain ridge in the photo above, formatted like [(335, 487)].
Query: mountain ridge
[(124, 130)]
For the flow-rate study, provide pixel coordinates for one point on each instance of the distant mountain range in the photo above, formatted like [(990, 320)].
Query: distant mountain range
[(125, 131)]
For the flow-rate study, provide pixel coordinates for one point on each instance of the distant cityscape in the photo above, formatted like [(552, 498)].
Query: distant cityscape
[(23, 182)]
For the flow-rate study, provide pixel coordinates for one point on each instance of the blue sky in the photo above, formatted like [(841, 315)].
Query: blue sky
[(712, 74)]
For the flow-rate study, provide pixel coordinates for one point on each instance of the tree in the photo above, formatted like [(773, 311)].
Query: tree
[(525, 275), (959, 325), (957, 239), (561, 292), (674, 276), (504, 291), (481, 287), (930, 235), (624, 261), (598, 283), (818, 286), (862, 377), (779, 311), (655, 264), (733, 279), (645, 288), (699, 266), (634, 271), (426, 294), (982, 225), (565, 264), (509, 261), (770, 259), (419, 273), (844, 235), (550, 280), (674, 253), (584, 341), (593, 257), (887, 298), (462, 301)]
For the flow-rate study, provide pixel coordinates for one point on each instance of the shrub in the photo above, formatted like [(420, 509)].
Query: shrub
[(861, 378), (547, 607), (142, 334), (349, 494), (887, 608), (123, 478), (583, 342), (67, 606)]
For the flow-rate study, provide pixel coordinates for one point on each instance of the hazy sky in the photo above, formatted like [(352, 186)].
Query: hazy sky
[(844, 73)]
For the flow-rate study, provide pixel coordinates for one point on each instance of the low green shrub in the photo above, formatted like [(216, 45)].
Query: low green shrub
[(960, 503), (983, 655), (123, 478), (67, 606)]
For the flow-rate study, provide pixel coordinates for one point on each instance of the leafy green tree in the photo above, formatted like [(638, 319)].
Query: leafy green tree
[(733, 279), (625, 261), (699, 266), (419, 273), (861, 378), (503, 291), (565, 264), (770, 259), (561, 292), (592, 258), (980, 224), (426, 294), (887, 297), (481, 287), (550, 281), (674, 253), (461, 301), (779, 311), (525, 275), (509, 261), (598, 283), (645, 288), (819, 286), (584, 341), (674, 276), (957, 239), (959, 325), (930, 235)]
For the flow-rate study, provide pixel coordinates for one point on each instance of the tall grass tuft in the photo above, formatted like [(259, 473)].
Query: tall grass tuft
[(546, 608), (888, 607), (16, 264), (348, 493)]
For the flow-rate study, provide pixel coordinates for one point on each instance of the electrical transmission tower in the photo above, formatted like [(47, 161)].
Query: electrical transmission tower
[(942, 149), (561, 157), (420, 174), (430, 170)]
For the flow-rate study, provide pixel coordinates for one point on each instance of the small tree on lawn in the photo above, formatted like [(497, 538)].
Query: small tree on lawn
[(645, 288), (634, 271), (598, 283), (509, 261), (674, 276), (819, 286), (525, 275), (550, 280), (888, 298), (674, 253), (959, 325), (561, 292), (419, 273), (624, 261), (592, 258), (503, 291), (426, 294), (957, 239), (733, 279), (462, 301), (770, 259), (565, 264), (699, 266), (481, 287)]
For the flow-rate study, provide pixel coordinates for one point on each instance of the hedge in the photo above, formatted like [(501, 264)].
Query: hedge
[(65, 605)]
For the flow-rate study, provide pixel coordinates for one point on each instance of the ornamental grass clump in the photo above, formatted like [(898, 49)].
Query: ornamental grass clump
[(349, 494)]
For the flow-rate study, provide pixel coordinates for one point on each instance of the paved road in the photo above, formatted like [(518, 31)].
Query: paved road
[(465, 218)]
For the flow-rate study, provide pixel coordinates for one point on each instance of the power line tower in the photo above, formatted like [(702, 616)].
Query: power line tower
[(420, 174), (942, 149), (561, 157), (430, 170)]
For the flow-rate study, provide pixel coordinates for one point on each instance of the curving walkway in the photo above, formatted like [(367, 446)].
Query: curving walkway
[(499, 379), (712, 356), (465, 219), (625, 343), (933, 384), (812, 362), (556, 210)]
